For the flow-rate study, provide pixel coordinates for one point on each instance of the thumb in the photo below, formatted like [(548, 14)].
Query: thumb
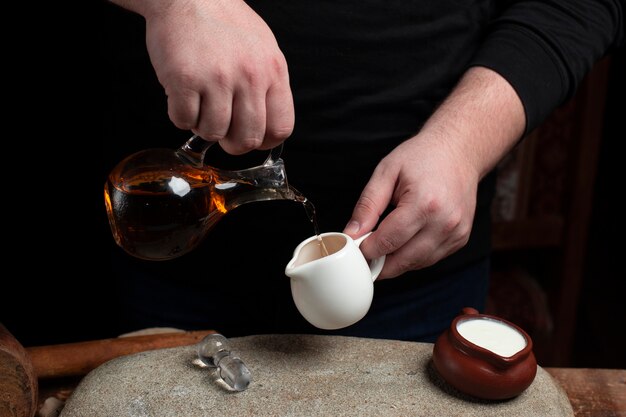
[(371, 204)]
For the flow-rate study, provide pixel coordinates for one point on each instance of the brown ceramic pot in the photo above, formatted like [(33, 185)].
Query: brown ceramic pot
[(480, 372)]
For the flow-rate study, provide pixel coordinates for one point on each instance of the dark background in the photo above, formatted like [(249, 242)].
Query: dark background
[(57, 286), (600, 337)]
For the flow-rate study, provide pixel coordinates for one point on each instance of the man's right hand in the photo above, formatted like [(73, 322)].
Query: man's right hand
[(222, 70)]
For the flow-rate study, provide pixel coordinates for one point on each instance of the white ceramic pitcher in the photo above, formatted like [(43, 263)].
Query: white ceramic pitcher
[(333, 291)]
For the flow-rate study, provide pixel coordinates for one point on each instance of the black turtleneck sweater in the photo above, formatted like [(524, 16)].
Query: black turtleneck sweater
[(365, 75)]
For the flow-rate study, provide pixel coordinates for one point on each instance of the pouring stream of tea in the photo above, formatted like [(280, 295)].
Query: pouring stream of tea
[(311, 213), (194, 150)]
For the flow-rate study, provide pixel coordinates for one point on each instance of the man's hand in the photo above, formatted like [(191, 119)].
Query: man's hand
[(224, 75), (434, 194), (432, 178)]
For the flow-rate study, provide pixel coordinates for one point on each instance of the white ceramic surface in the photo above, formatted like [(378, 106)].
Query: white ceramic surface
[(334, 291)]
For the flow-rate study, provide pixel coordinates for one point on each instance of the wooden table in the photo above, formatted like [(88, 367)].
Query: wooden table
[(593, 392)]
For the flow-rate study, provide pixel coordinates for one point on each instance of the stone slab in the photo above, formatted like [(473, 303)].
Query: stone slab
[(298, 375)]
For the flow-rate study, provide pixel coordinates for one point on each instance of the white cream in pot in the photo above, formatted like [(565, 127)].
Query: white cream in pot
[(493, 335)]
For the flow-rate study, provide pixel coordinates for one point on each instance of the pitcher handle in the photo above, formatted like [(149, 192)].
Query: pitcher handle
[(376, 265)]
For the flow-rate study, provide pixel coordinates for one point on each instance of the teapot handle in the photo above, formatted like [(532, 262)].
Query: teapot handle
[(195, 148), (376, 265), (274, 155)]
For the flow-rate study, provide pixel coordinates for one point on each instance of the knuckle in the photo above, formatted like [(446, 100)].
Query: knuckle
[(404, 266), (461, 234), (182, 78), (428, 262), (386, 244), (279, 132), (367, 204), (251, 142), (213, 127), (280, 122), (251, 75), (465, 235), (278, 64), (268, 144), (210, 136), (182, 119), (221, 78), (432, 206), (247, 144), (417, 262), (452, 224)]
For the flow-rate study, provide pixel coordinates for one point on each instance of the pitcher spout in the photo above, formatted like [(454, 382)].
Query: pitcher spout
[(305, 257)]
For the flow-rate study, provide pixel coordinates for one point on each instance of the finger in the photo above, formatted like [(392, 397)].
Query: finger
[(430, 245), (280, 115), (183, 107), (398, 228), (411, 256), (371, 204), (215, 114), (247, 123)]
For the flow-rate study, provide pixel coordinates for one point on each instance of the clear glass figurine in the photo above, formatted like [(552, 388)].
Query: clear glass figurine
[(214, 351)]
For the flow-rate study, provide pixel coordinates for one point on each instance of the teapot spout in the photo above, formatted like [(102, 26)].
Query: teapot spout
[(262, 183)]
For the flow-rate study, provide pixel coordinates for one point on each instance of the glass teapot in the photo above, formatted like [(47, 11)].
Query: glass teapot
[(161, 203)]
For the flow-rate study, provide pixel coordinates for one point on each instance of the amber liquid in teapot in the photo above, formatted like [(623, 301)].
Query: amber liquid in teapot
[(154, 224), (160, 213)]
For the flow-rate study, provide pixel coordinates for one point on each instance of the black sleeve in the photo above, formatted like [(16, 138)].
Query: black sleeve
[(545, 47)]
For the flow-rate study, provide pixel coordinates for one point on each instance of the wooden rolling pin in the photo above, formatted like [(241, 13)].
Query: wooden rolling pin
[(18, 382), (20, 368), (74, 359)]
